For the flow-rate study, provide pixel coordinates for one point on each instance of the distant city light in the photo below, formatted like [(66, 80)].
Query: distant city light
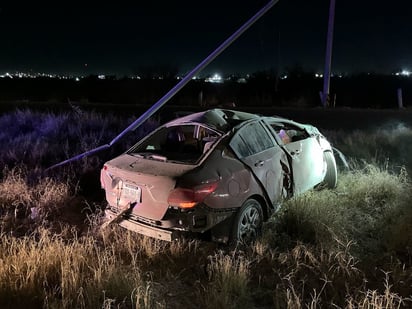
[(216, 78), (405, 73)]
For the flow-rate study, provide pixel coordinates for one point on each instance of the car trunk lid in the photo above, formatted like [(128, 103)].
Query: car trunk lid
[(143, 184)]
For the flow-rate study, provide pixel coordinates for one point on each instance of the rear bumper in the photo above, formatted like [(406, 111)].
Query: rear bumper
[(173, 225), (148, 230), (143, 229)]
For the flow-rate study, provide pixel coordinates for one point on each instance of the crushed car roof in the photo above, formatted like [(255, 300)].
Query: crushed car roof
[(225, 120), (221, 119)]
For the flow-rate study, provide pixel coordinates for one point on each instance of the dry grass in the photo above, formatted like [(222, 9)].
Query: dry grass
[(350, 247), (46, 270), (22, 204), (41, 139), (375, 299), (228, 285), (348, 238), (388, 145)]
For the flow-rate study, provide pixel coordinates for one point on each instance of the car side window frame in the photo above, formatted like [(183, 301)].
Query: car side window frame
[(285, 133), (242, 145)]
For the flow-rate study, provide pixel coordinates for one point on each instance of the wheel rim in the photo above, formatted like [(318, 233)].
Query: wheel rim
[(249, 225)]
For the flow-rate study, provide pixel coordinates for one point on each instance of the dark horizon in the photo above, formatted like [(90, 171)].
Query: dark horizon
[(120, 40)]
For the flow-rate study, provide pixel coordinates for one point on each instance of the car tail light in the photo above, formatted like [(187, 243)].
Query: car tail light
[(188, 198), (102, 173)]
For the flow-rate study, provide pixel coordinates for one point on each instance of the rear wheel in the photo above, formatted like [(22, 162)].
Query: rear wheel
[(331, 177), (247, 224)]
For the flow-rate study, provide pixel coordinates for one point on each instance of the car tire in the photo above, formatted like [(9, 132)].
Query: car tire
[(247, 224), (331, 177)]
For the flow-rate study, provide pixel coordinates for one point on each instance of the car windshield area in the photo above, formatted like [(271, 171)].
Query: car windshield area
[(179, 144)]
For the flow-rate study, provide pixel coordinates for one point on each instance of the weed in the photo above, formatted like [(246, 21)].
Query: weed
[(350, 247)]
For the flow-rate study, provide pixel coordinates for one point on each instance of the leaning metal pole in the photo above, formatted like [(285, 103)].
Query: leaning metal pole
[(155, 107), (328, 56)]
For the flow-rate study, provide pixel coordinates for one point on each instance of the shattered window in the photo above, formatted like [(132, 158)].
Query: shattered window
[(287, 132), (181, 143), (250, 140)]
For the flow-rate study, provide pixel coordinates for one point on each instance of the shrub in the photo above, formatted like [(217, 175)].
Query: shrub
[(41, 139), (389, 145), (368, 207)]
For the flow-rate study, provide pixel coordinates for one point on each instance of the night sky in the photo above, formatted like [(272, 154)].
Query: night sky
[(120, 38)]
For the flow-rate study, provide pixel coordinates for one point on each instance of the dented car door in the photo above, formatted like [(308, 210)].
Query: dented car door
[(267, 161), (304, 151)]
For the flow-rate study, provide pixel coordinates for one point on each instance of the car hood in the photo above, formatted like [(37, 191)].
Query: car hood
[(143, 183)]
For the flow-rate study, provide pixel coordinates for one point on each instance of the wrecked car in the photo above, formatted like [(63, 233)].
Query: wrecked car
[(221, 172)]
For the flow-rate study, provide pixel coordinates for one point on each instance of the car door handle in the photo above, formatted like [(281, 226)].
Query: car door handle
[(260, 163)]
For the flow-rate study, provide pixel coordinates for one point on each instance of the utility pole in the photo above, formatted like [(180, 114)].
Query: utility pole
[(328, 56), (278, 64), (162, 101)]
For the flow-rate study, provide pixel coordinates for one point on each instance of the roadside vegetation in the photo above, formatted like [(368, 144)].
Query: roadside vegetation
[(350, 247)]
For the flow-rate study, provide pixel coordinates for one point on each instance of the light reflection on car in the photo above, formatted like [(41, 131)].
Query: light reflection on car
[(218, 172)]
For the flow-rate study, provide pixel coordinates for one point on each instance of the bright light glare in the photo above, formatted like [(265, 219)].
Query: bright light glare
[(405, 73), (216, 78)]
